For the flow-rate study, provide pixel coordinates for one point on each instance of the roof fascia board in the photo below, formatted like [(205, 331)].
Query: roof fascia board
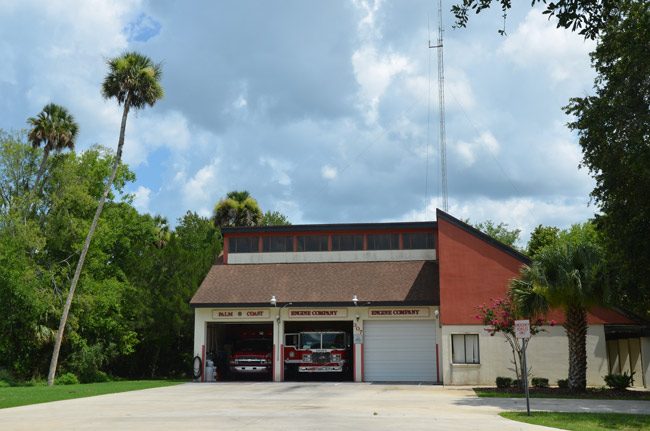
[(295, 304), (330, 227)]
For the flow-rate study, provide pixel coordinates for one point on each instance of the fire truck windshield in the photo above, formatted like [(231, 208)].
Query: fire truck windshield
[(310, 340), (333, 340), (254, 346)]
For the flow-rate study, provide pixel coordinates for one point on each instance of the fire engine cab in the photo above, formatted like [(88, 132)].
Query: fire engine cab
[(252, 353), (317, 352)]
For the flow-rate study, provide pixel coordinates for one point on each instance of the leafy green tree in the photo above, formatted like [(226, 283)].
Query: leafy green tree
[(238, 208), (613, 126), (134, 81), (587, 17), (541, 237), (18, 166), (55, 129), (274, 218), (501, 232), (568, 275), (35, 258), (165, 280)]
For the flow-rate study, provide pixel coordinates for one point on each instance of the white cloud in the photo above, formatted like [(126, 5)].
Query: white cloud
[(141, 199), (199, 192), (368, 23), (522, 213), (374, 73), (538, 43), (279, 169), (329, 172), (152, 130), (482, 145)]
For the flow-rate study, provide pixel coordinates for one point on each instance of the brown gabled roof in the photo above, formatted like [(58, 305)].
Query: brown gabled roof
[(402, 282)]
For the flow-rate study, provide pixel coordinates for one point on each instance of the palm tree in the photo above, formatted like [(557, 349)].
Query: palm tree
[(55, 129), (564, 275), (237, 209), (134, 81), (162, 234)]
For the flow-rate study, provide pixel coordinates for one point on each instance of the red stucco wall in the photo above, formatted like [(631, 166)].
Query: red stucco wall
[(474, 271)]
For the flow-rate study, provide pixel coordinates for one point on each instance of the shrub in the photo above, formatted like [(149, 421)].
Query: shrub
[(67, 379), (517, 383), (96, 377), (35, 381), (539, 382), (619, 381), (6, 379), (504, 382), (563, 383)]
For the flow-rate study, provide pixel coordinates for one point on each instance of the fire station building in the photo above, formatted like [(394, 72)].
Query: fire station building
[(402, 299)]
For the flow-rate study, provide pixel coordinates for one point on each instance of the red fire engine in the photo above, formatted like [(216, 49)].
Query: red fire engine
[(252, 353), (317, 352)]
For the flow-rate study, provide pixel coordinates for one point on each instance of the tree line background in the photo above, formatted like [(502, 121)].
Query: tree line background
[(131, 315)]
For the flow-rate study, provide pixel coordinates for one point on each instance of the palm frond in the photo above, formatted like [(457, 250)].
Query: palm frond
[(133, 76)]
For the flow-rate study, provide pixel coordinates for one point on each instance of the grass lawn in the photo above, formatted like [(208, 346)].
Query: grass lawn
[(584, 421), (590, 393), (23, 395)]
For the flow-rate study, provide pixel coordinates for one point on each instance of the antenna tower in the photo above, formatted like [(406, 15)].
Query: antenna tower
[(441, 110)]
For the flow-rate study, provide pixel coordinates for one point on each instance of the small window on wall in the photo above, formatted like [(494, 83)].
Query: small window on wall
[(347, 242), (418, 241), (464, 348), (312, 243), (243, 244), (383, 241), (277, 243)]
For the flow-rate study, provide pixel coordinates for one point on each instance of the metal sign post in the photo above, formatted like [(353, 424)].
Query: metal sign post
[(522, 331)]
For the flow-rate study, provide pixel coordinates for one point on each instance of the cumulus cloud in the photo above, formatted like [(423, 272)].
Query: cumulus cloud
[(319, 110), (279, 170), (538, 42), (519, 213), (200, 190), (329, 172), (485, 144), (141, 198)]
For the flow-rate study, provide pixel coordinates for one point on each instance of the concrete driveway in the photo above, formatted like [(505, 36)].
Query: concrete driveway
[(277, 406)]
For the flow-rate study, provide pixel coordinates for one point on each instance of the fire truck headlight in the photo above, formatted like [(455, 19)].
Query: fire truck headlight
[(336, 357), (306, 358)]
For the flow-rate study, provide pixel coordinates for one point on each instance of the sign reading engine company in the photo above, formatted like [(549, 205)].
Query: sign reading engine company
[(400, 312), (318, 313)]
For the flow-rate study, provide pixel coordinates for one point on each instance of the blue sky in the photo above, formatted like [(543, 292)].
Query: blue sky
[(320, 109)]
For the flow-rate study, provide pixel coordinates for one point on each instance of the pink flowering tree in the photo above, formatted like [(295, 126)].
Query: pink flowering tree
[(499, 317)]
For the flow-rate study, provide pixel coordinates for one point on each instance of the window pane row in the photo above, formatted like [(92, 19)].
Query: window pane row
[(390, 241), (464, 349)]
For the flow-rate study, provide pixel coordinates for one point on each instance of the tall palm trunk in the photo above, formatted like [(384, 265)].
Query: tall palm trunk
[(576, 330), (84, 251)]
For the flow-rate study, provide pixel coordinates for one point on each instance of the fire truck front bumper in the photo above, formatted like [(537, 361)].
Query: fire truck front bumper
[(250, 368), (320, 369)]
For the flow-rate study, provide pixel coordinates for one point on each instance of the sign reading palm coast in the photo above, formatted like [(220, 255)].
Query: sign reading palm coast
[(239, 314), (400, 312)]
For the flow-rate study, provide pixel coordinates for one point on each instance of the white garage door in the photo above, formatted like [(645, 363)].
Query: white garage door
[(399, 351)]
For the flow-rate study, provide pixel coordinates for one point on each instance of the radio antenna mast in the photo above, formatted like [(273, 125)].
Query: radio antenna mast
[(441, 110)]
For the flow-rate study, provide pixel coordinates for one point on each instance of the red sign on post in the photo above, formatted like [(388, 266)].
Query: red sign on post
[(522, 328)]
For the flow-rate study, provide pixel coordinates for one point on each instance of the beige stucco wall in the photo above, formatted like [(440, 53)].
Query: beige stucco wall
[(548, 356), (645, 358), (331, 256)]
